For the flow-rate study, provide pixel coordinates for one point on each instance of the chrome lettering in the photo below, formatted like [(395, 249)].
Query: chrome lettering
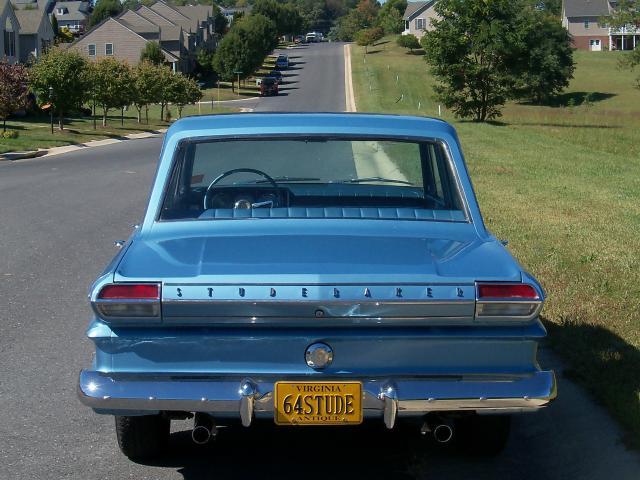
[(241, 291), (272, 293), (179, 292), (210, 292), (305, 292)]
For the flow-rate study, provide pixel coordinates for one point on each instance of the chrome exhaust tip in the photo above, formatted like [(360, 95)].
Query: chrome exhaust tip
[(203, 429), (443, 433)]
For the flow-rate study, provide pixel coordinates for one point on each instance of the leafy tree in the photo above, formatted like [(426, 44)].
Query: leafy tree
[(362, 17), (152, 52), (164, 79), (146, 89), (390, 16), (66, 72), (470, 51), (546, 65), (54, 26), (111, 83), (286, 17), (627, 12), (14, 88), (104, 9), (369, 36), (409, 41), (65, 35), (243, 49), (183, 91), (220, 22)]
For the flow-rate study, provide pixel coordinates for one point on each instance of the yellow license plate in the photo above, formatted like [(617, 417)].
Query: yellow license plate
[(318, 403)]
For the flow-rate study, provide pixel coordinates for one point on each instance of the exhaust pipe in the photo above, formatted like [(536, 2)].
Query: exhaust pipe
[(443, 432), (203, 429)]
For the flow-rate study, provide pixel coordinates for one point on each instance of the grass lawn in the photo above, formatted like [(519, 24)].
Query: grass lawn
[(562, 184), (34, 132)]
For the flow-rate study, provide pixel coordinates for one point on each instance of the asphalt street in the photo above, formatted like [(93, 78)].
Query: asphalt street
[(59, 217)]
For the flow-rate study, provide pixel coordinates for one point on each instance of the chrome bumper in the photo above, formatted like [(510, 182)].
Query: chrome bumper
[(249, 397)]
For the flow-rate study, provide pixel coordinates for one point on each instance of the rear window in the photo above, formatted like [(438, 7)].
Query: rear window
[(311, 177)]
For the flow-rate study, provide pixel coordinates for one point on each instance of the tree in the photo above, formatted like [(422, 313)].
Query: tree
[(183, 91), (220, 22), (243, 49), (369, 36), (627, 13), (111, 83), (152, 53), (409, 41), (54, 26), (362, 17), (546, 65), (470, 51), (145, 87), (65, 35), (14, 89), (66, 72), (286, 17), (104, 9), (164, 79), (390, 16)]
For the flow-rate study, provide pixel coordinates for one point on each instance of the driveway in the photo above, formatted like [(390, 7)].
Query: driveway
[(58, 219)]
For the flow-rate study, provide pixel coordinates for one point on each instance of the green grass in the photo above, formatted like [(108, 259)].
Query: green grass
[(34, 132), (563, 185)]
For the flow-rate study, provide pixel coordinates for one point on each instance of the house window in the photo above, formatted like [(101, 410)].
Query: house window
[(586, 24), (92, 49), (406, 25), (108, 48), (10, 44), (421, 23), (60, 11)]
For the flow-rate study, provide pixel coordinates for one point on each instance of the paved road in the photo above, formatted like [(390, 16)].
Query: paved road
[(58, 218)]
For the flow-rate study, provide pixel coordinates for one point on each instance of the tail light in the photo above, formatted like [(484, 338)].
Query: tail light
[(128, 300), (501, 301)]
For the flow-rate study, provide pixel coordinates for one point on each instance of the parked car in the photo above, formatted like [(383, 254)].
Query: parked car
[(314, 269), (282, 62), (268, 86), (277, 74)]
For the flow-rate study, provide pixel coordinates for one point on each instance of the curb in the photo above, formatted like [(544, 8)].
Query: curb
[(348, 81), (49, 152)]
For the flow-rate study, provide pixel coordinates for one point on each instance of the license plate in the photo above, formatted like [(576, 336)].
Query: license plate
[(318, 403)]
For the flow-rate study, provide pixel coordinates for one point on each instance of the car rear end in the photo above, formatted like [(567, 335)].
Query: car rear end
[(395, 306)]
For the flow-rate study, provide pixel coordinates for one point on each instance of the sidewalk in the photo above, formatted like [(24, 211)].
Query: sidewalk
[(48, 152)]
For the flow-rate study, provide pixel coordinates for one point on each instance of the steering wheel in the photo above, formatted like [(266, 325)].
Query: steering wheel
[(216, 180)]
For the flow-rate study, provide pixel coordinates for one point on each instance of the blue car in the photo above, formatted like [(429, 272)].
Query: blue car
[(314, 269)]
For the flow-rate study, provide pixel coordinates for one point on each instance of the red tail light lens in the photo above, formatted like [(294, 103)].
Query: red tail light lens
[(128, 301), (130, 292), (500, 291), (507, 301)]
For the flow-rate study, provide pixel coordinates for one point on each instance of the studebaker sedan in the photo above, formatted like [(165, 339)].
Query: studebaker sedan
[(314, 269)]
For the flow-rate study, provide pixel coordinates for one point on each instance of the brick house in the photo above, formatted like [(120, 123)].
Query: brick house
[(586, 22)]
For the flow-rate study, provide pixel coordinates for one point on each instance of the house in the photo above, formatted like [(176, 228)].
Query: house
[(73, 15), (115, 38), (10, 38), (36, 33), (417, 17), (159, 29), (584, 21)]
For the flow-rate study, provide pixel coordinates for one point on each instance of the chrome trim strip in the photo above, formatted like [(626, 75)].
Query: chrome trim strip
[(109, 393)]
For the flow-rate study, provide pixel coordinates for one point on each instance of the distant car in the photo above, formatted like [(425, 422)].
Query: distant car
[(277, 74), (314, 269), (282, 62), (268, 86)]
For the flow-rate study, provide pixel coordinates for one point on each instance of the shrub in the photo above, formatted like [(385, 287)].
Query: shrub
[(10, 134)]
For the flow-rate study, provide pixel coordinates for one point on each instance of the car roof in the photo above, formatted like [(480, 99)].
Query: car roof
[(276, 123)]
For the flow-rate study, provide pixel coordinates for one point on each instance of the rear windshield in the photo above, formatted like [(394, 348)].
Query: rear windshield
[(312, 178)]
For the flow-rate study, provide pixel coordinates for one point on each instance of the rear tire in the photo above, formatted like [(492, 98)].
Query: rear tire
[(142, 437), (484, 436)]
